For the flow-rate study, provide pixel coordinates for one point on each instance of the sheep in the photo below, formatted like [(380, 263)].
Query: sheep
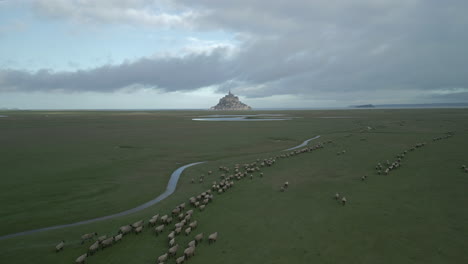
[(343, 200), (193, 225), (212, 237), (188, 230), (202, 207), (171, 235), (181, 216), (173, 250), (163, 218), (168, 220), (152, 222), (463, 166), (182, 206), (172, 242), (162, 258), (88, 236), (125, 229), (189, 212), (188, 252), (192, 243), (81, 259), (199, 238), (178, 230), (193, 180), (156, 216), (93, 248), (176, 211), (159, 229), (286, 184), (138, 229), (137, 224), (60, 246), (102, 238), (180, 260), (107, 242), (188, 217), (363, 178), (118, 237), (282, 189)]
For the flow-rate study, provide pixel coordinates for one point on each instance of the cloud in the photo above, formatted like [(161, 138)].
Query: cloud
[(134, 12), (360, 50), (188, 72)]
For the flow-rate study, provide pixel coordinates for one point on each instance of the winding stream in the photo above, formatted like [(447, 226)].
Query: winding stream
[(171, 186)]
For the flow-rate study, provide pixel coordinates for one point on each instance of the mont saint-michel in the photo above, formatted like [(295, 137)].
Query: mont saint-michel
[(230, 102)]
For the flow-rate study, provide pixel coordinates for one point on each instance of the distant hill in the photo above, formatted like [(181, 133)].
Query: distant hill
[(364, 106)]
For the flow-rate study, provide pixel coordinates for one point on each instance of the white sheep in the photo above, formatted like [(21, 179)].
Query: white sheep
[(118, 237), (125, 229), (343, 200), (60, 245), (162, 258), (188, 252), (188, 230), (193, 224), (107, 242), (199, 238), (88, 236), (138, 229), (171, 235), (173, 250), (159, 229), (202, 207), (337, 196), (192, 243), (180, 260), (212, 237), (81, 259), (93, 248), (137, 224), (172, 242)]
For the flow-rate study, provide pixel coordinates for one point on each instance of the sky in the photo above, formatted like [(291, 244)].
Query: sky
[(187, 54)]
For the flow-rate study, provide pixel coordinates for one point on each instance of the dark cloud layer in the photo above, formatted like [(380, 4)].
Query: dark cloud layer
[(322, 48)]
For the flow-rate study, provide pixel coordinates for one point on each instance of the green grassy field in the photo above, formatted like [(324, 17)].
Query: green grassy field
[(63, 167)]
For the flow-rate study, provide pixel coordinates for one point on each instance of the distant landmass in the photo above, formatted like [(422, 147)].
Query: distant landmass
[(230, 102), (364, 106)]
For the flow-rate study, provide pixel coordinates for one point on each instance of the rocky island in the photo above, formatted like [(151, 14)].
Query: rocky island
[(230, 102)]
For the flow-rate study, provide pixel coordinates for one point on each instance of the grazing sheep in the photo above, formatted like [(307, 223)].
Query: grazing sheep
[(180, 260), (162, 258), (286, 184), (172, 242), (363, 178), (463, 166), (202, 207), (59, 246), (189, 252), (343, 200), (188, 230), (137, 224), (199, 238), (176, 211), (189, 212), (193, 224), (93, 248), (81, 259), (159, 229), (102, 238), (107, 242), (171, 235), (163, 218), (88, 236), (125, 229), (193, 180), (178, 230), (192, 243), (152, 222), (118, 237), (188, 217), (138, 229), (212, 237), (173, 250), (168, 220), (282, 189)]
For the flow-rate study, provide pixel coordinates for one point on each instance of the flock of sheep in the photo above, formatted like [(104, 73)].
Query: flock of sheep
[(184, 218)]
